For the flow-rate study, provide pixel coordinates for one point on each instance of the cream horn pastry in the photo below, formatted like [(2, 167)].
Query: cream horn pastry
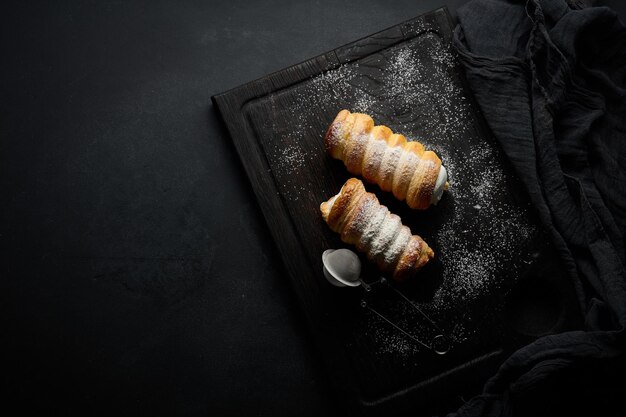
[(387, 159), (362, 221)]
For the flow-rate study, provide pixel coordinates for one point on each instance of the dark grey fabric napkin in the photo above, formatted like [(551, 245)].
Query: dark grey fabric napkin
[(550, 79)]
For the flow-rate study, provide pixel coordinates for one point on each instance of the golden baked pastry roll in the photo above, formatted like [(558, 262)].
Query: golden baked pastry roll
[(387, 159), (362, 221)]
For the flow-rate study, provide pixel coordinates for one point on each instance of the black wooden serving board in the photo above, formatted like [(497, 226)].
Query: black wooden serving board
[(495, 282)]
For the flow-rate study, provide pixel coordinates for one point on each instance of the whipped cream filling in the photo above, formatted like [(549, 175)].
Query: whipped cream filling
[(331, 202), (440, 185)]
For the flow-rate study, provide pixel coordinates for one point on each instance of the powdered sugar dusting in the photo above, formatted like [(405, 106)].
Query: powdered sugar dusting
[(403, 78), (292, 158), (479, 243), (385, 236), (395, 249)]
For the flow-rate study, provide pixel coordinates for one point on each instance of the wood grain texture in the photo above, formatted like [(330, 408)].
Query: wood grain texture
[(277, 124)]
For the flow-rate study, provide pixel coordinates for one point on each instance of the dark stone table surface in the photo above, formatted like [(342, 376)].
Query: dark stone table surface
[(138, 276)]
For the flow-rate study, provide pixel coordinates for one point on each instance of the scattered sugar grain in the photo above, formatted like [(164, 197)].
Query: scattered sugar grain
[(431, 107)]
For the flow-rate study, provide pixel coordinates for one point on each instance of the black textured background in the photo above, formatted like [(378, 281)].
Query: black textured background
[(138, 277)]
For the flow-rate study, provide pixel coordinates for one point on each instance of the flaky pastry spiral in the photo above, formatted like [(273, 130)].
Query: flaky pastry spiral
[(362, 221), (387, 159)]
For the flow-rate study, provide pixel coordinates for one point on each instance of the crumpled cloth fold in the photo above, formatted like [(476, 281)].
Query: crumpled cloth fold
[(550, 79)]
